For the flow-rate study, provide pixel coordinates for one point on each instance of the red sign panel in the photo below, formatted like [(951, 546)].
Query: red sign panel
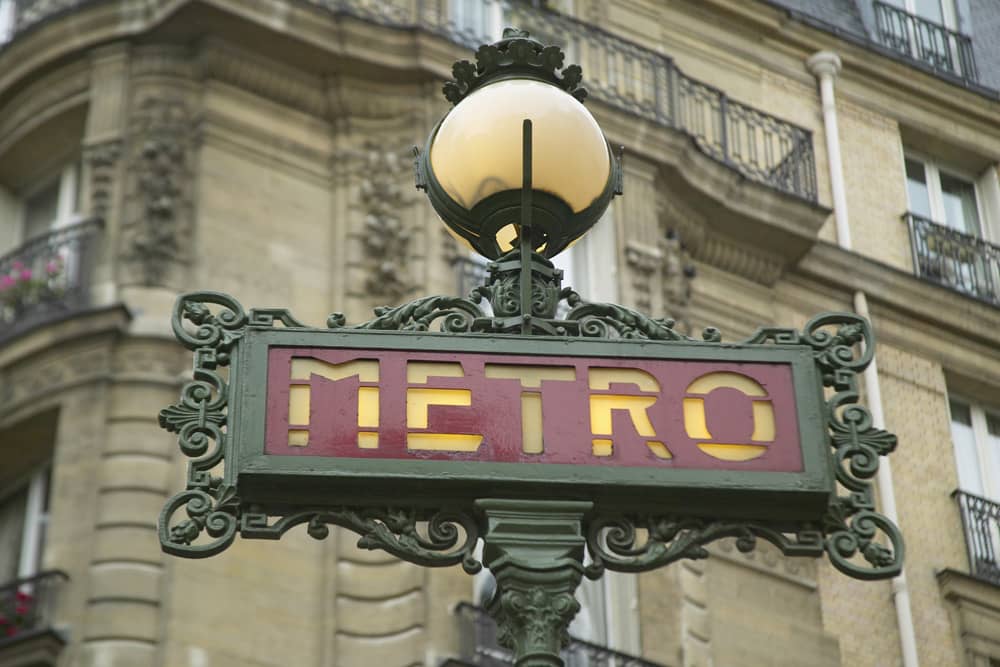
[(393, 404)]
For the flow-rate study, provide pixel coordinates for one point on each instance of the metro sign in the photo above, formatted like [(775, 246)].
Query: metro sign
[(335, 414)]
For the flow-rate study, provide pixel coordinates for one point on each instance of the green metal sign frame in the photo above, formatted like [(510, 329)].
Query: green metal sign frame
[(310, 479), (218, 421)]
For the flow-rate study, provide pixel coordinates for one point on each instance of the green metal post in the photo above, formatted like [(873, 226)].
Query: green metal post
[(535, 550), (525, 231)]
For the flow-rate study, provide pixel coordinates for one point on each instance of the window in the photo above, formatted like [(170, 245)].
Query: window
[(476, 20), (23, 520), (941, 12), (943, 197), (52, 203), (7, 17), (950, 214), (975, 434)]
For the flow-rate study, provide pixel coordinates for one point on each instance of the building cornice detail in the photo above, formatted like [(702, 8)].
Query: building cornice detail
[(944, 316), (262, 76)]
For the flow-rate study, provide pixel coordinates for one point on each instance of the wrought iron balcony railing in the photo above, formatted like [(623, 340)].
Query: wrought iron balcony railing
[(27, 606), (981, 521), (963, 262), (925, 41), (481, 648), (47, 278), (618, 72)]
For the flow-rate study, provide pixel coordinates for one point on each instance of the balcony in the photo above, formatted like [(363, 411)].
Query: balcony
[(620, 73), (27, 634), (482, 650), (47, 278), (932, 44), (981, 522), (956, 260)]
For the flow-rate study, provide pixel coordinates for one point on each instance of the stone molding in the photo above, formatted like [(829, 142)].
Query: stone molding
[(262, 76), (945, 314), (767, 559), (102, 158), (974, 607), (707, 244), (34, 369), (46, 97), (158, 228)]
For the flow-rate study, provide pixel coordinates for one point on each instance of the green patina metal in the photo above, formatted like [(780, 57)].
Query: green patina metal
[(536, 534)]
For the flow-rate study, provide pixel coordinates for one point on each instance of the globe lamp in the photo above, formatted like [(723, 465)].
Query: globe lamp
[(518, 151)]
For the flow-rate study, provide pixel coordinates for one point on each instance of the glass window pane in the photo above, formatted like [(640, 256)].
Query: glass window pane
[(40, 210), (993, 447), (916, 189), (959, 198), (964, 441), (12, 510), (960, 413), (929, 9)]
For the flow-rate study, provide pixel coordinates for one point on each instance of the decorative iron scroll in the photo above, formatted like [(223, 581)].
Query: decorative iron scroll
[(860, 542)]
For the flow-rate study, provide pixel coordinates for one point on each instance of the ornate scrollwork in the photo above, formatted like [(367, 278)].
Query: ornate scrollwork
[(517, 52), (613, 541), (450, 537), (458, 316), (502, 291)]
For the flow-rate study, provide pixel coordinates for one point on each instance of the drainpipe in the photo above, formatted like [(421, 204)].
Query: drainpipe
[(825, 66)]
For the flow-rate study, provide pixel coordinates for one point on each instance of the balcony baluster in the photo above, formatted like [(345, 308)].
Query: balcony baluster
[(47, 278), (927, 42), (956, 260), (981, 521)]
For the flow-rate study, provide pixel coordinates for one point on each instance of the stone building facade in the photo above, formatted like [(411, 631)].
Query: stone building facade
[(263, 148)]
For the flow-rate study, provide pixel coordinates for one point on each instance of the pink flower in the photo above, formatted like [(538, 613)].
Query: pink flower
[(17, 266), (6, 282), (21, 596), (26, 275)]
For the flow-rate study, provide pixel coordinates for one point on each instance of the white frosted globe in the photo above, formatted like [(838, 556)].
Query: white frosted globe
[(477, 149)]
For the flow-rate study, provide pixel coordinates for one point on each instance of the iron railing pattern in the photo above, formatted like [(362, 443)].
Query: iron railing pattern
[(981, 521), (925, 41), (27, 605), (960, 261), (481, 648), (46, 278), (618, 72)]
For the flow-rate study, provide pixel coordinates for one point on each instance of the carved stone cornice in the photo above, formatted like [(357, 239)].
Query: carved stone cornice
[(268, 78), (709, 245), (57, 357)]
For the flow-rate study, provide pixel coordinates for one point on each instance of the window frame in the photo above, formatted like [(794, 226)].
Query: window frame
[(933, 169), (67, 199), (980, 436), (36, 518)]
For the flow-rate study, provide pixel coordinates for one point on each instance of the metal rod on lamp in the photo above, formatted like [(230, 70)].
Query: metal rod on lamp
[(525, 231)]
